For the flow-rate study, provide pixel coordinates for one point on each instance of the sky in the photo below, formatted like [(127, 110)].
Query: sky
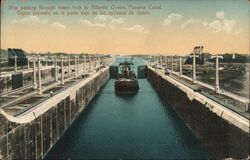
[(174, 28)]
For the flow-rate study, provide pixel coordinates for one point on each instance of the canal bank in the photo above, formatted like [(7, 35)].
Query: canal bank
[(224, 133), (31, 134), (128, 127)]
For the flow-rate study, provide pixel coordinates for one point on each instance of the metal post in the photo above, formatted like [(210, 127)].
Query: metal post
[(78, 64), (75, 67), (172, 65), (180, 66), (15, 63), (217, 85), (56, 71), (39, 89), (90, 63), (167, 62), (69, 66), (62, 71), (194, 68), (84, 64), (95, 63), (99, 61), (162, 61), (34, 73), (199, 50)]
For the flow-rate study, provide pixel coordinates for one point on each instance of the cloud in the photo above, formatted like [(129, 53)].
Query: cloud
[(222, 25), (118, 21), (30, 20), (103, 18), (136, 28), (194, 22), (34, 20), (216, 25), (103, 21), (171, 18), (91, 24), (58, 26), (204, 23), (220, 15)]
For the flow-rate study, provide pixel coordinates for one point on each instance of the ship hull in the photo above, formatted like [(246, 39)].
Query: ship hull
[(126, 87)]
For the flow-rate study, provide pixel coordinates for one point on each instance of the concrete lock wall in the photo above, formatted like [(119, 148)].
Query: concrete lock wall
[(6, 80), (221, 138), (33, 140)]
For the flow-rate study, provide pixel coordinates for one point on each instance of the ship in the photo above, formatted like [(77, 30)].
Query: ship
[(127, 82)]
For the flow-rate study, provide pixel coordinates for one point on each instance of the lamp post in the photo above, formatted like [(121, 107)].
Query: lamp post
[(62, 70), (217, 85), (76, 67), (34, 73), (90, 63), (84, 64), (180, 65), (56, 71), (197, 50), (167, 62), (172, 64), (39, 89), (194, 67), (68, 66), (15, 57)]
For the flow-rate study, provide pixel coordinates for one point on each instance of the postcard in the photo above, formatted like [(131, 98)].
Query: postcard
[(124, 79)]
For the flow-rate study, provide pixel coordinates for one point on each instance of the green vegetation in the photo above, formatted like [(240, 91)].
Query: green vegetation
[(3, 54), (238, 58)]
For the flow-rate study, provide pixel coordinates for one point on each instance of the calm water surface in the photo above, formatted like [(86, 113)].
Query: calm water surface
[(140, 126)]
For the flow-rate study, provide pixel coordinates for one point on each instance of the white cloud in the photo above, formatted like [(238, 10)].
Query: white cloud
[(58, 26), (118, 21), (172, 17), (103, 18), (216, 25), (220, 15), (224, 25), (30, 20), (194, 22), (136, 28), (103, 21), (109, 19), (221, 23), (228, 25), (204, 23), (91, 24)]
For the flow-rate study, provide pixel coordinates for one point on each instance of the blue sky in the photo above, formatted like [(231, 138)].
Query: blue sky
[(227, 21)]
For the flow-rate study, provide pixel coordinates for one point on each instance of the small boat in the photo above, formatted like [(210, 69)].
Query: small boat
[(127, 82)]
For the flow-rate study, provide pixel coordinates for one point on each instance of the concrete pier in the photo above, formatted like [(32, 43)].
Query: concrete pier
[(31, 133), (223, 132)]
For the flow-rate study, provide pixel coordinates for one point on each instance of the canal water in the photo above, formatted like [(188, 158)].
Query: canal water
[(128, 127)]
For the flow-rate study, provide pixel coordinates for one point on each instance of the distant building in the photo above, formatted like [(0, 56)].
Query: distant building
[(21, 57)]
